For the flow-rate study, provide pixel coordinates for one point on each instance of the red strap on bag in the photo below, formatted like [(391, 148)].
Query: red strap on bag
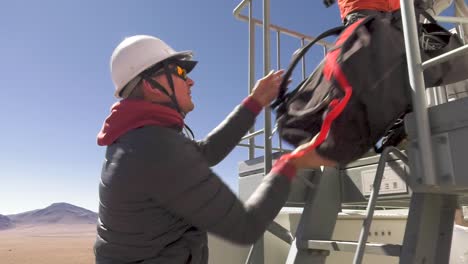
[(332, 69)]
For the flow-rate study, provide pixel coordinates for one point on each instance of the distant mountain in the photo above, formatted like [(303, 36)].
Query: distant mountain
[(5, 222), (57, 213)]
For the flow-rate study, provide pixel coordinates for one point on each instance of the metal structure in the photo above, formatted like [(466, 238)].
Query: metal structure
[(428, 177)]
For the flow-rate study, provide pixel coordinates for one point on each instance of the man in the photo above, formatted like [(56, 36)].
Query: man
[(158, 195), (351, 10)]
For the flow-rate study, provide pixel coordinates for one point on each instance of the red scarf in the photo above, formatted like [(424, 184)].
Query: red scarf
[(130, 114)]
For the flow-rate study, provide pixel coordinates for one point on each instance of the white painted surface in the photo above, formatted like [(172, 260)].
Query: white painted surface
[(387, 227)]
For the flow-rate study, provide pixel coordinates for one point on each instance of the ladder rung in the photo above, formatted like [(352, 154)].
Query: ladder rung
[(350, 246), (280, 232)]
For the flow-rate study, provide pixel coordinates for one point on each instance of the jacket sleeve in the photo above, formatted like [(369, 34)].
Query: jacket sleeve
[(221, 140), (184, 184)]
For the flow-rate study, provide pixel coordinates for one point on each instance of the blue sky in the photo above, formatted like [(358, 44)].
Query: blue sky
[(56, 86)]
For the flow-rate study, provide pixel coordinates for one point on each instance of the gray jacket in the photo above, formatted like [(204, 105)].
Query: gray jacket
[(159, 197)]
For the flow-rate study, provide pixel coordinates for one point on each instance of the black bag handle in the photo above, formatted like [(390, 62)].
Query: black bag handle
[(296, 57), (427, 16)]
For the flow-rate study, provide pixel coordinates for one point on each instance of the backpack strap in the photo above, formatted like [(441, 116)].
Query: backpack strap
[(427, 16), (295, 60)]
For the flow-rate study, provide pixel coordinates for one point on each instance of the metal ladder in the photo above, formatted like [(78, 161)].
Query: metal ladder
[(431, 207)]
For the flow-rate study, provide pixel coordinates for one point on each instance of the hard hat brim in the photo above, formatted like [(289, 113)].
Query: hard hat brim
[(183, 59), (188, 65)]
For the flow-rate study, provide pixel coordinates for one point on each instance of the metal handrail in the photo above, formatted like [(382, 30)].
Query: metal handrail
[(445, 57), (262, 147), (286, 31), (417, 84), (266, 70), (239, 7), (267, 27), (453, 53), (416, 77), (251, 79), (277, 28), (447, 19), (439, 93), (253, 134)]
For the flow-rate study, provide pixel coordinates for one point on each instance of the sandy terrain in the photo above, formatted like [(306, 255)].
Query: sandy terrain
[(52, 244)]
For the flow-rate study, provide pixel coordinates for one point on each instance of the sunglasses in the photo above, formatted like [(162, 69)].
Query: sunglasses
[(177, 70), (180, 72)]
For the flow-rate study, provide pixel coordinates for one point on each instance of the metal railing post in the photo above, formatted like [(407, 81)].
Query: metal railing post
[(278, 66), (266, 70), (251, 78), (303, 61), (461, 33), (416, 79)]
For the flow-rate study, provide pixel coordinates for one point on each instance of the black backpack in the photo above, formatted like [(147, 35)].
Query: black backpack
[(359, 92)]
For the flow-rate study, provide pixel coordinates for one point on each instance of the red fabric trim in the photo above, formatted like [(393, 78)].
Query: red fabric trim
[(335, 107), (332, 56), (252, 104), (348, 6), (130, 114), (284, 167)]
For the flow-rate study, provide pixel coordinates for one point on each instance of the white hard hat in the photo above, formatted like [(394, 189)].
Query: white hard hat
[(136, 54)]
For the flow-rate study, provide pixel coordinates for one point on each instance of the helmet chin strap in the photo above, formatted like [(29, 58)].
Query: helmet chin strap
[(172, 96), (188, 131), (157, 85), (171, 85)]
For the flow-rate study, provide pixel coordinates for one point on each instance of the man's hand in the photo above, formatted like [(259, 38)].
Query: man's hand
[(267, 88), (311, 159), (305, 157), (328, 3)]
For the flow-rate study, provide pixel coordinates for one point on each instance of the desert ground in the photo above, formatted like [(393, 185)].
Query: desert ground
[(49, 244)]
